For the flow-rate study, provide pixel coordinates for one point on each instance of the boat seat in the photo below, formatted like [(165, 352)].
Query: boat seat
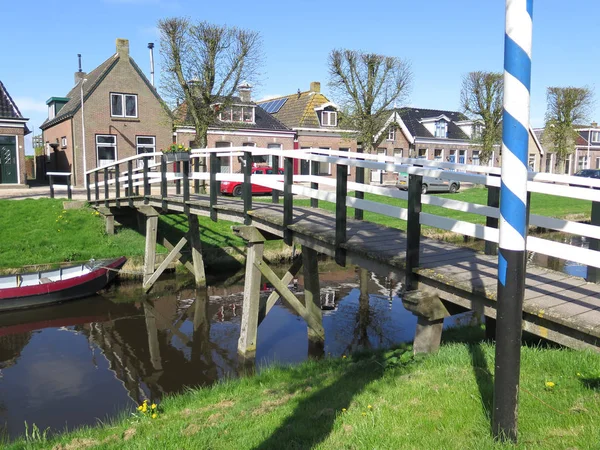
[(45, 280)]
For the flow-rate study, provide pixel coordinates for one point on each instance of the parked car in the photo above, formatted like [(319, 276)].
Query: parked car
[(430, 184), (587, 173), (235, 187)]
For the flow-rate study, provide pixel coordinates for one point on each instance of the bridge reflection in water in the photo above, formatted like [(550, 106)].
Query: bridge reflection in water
[(76, 362)]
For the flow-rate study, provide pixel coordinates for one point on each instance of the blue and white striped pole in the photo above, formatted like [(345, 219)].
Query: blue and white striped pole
[(513, 216)]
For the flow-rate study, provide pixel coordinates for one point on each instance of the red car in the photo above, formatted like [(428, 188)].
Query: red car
[(235, 187)]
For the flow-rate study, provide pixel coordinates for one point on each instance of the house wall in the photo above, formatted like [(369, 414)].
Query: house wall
[(20, 134), (61, 159), (152, 120)]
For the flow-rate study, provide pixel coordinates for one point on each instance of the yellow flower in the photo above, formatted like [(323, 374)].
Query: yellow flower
[(364, 414), (370, 407), (180, 146), (153, 406), (343, 356), (144, 407), (578, 374), (343, 409), (139, 408), (59, 231), (550, 384), (154, 416)]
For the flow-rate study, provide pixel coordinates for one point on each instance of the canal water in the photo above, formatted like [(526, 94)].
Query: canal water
[(80, 362)]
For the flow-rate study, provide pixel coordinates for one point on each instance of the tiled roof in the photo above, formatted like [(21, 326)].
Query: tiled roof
[(8, 108), (262, 119), (412, 117), (299, 110), (93, 80)]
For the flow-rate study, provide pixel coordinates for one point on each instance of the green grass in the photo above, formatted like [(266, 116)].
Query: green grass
[(385, 399)]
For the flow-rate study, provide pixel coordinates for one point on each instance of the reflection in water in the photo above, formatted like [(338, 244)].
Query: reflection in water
[(69, 364), (562, 265)]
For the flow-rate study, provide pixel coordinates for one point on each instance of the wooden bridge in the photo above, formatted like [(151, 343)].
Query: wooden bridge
[(557, 307)]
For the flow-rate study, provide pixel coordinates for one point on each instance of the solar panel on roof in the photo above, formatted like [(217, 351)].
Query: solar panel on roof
[(273, 106)]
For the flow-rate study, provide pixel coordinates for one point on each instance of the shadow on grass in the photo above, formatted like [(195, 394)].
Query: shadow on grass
[(314, 417), (591, 382)]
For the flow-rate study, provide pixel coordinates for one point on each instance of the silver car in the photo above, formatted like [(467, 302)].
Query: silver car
[(430, 184)]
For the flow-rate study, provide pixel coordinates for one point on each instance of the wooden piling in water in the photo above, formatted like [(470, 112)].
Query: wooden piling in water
[(312, 297)]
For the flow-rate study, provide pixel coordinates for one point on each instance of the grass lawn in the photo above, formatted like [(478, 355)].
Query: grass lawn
[(385, 400)]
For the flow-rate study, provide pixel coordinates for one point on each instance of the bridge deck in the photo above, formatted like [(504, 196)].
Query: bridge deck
[(557, 306)]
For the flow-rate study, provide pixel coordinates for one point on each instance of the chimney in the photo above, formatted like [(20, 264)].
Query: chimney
[(79, 74), (594, 124), (123, 47), (315, 87), (151, 48), (245, 90)]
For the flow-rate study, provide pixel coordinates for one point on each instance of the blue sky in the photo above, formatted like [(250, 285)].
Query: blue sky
[(442, 40)]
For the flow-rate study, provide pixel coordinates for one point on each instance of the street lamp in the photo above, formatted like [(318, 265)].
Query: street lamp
[(83, 80)]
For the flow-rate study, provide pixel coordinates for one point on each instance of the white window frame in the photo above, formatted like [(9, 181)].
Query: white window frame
[(328, 164), (123, 97), (63, 142), (582, 162), (242, 108), (229, 144), (441, 158), (597, 162), (327, 117), (391, 133), (138, 145), (475, 157), (439, 127), (105, 162), (275, 146), (595, 136)]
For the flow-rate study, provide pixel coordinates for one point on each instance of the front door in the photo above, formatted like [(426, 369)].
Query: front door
[(8, 159)]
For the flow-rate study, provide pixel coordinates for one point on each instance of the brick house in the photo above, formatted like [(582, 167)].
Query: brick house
[(242, 123), (13, 129), (122, 113), (315, 122)]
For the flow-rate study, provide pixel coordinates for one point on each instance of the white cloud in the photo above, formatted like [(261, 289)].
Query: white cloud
[(30, 105)]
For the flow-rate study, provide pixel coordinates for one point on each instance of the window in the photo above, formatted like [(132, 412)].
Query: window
[(51, 111), (476, 130), (237, 113), (597, 163), (461, 156), (324, 167), (475, 157), (595, 136), (63, 142), (225, 160), (441, 129), (532, 162), (106, 149), (548, 162), (275, 147), (582, 163), (452, 157), (437, 154), (422, 153), (329, 118), (398, 153), (145, 144), (123, 105), (392, 133), (342, 149), (568, 165)]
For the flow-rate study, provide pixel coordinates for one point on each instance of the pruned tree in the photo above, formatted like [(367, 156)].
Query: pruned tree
[(481, 99), (566, 107), (367, 85), (204, 64)]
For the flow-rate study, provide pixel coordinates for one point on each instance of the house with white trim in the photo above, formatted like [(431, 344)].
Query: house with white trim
[(13, 129)]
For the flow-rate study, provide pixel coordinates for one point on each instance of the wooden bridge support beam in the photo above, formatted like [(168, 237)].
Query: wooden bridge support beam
[(153, 344), (249, 325), (312, 300), (196, 245), (151, 237), (430, 312), (109, 219)]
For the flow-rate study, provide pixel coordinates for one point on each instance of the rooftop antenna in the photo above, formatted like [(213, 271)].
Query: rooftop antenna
[(151, 47), (79, 57)]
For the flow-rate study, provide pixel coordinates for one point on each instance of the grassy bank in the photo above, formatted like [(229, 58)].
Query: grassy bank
[(386, 400), (42, 232)]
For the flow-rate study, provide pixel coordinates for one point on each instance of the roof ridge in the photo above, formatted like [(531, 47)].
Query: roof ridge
[(285, 96), (11, 101)]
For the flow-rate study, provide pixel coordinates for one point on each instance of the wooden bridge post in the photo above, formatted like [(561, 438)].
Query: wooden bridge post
[(177, 180), (288, 199), (151, 237), (215, 186), (196, 245), (247, 187), (413, 230), (341, 191), (430, 312), (186, 187), (163, 182), (312, 299), (87, 187), (275, 192), (130, 182), (593, 273), (493, 200), (146, 162), (360, 178), (69, 188), (249, 325), (97, 186), (117, 187), (106, 187), (196, 170), (314, 171)]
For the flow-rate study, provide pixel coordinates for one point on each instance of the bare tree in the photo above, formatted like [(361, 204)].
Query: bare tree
[(367, 85), (481, 99), (204, 64), (567, 107)]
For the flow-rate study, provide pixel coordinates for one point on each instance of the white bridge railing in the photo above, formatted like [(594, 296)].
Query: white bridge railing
[(135, 176)]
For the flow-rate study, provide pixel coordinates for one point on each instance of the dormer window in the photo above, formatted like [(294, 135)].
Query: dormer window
[(441, 129), (391, 133), (237, 113), (476, 131), (51, 111), (329, 118)]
